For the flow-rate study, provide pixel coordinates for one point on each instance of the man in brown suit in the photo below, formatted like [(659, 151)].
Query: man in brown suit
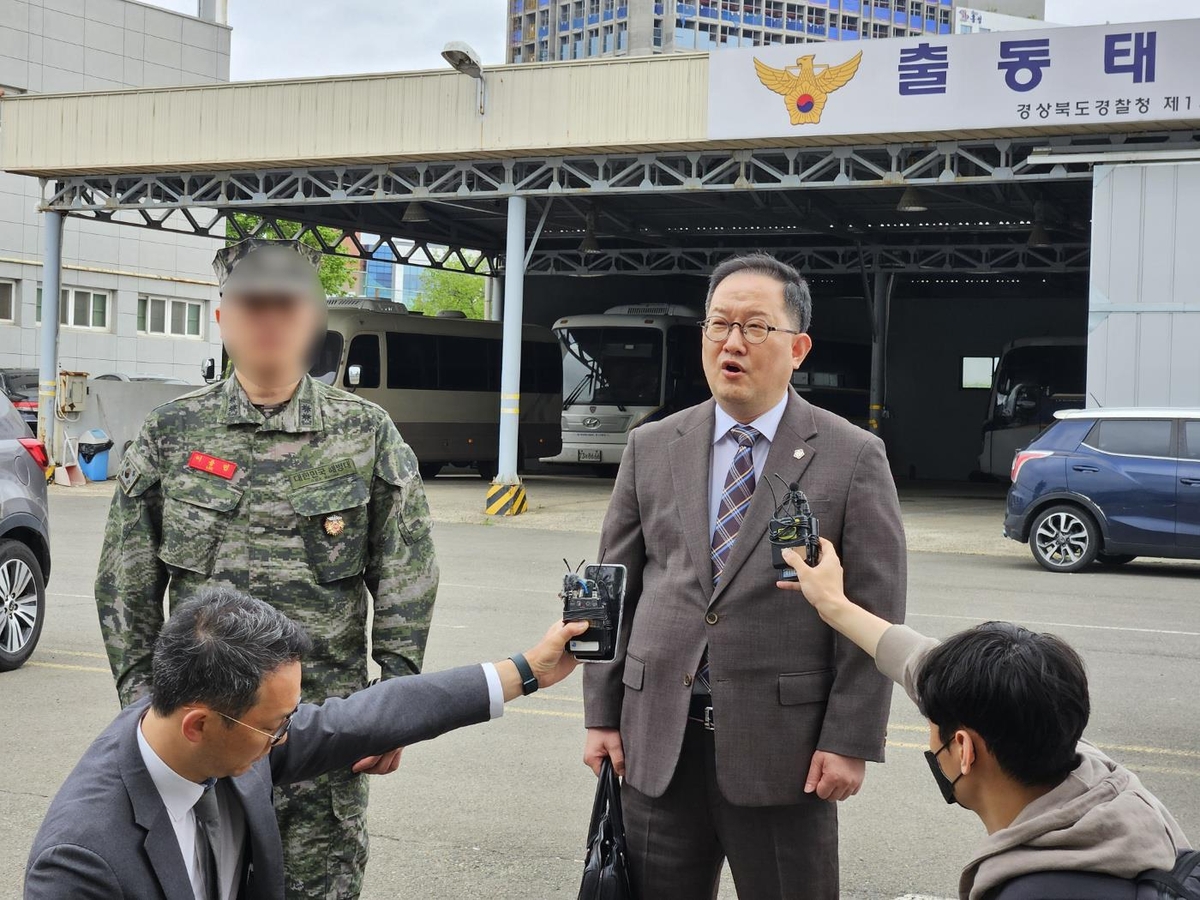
[(735, 714)]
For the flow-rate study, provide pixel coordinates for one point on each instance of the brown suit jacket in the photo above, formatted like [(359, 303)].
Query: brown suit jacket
[(783, 683)]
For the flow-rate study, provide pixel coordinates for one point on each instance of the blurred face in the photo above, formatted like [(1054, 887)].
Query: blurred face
[(229, 747), (269, 335), (747, 379)]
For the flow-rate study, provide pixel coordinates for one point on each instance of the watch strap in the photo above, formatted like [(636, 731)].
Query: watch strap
[(529, 683)]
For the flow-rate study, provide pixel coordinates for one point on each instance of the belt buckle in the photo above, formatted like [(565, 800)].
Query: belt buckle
[(708, 719)]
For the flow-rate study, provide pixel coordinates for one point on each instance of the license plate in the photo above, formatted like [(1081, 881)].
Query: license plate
[(590, 456)]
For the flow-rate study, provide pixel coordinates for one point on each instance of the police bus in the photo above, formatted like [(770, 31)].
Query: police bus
[(438, 377), (621, 368)]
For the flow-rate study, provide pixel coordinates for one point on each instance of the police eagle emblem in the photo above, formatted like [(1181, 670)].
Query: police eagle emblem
[(807, 85)]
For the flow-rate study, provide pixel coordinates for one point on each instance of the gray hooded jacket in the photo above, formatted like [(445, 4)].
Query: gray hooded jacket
[(1100, 819)]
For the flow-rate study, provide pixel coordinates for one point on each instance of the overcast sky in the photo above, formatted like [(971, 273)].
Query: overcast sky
[(293, 38)]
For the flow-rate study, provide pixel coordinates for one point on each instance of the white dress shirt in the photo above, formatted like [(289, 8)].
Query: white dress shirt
[(179, 795), (724, 449)]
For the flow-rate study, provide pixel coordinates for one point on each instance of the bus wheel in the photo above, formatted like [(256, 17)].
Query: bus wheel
[(429, 470), (487, 469)]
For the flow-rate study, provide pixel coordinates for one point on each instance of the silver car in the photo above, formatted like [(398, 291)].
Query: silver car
[(24, 538)]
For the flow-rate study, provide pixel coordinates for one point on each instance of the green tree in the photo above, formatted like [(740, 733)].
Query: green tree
[(450, 289), (338, 273)]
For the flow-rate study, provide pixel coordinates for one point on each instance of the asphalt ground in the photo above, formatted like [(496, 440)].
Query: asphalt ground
[(500, 810)]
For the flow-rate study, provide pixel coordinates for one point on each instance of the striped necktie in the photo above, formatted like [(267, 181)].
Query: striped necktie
[(735, 499)]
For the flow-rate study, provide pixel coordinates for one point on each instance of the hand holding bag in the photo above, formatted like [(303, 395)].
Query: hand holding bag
[(605, 869)]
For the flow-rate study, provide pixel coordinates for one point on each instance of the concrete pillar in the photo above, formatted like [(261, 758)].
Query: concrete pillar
[(52, 229), (879, 327), (510, 369)]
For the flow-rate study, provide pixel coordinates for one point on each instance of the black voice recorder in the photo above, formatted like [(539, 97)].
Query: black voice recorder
[(596, 597), (793, 525)]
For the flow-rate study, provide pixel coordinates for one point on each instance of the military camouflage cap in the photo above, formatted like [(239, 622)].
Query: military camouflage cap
[(262, 266)]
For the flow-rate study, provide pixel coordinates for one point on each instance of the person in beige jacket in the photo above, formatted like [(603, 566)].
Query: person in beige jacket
[(1007, 708)]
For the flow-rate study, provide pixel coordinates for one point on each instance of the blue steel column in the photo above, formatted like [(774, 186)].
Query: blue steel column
[(510, 369), (52, 226)]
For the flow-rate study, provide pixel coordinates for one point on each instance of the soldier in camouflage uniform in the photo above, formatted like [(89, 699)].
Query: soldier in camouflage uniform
[(292, 491)]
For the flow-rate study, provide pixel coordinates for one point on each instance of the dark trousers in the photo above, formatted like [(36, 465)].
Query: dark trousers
[(677, 842)]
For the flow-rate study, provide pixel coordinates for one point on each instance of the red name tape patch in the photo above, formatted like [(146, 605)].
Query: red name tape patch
[(222, 468)]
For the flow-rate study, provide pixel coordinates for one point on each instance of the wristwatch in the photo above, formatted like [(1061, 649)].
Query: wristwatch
[(529, 683)]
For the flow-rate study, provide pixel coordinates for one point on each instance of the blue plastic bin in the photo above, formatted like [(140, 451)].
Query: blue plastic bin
[(97, 469)]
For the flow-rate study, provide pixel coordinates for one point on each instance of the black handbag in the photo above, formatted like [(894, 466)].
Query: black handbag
[(605, 868)]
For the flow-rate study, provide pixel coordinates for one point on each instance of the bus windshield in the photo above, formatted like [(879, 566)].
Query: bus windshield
[(612, 366), (1026, 374)]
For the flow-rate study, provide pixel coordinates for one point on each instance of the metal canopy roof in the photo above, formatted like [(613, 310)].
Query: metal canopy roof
[(619, 143)]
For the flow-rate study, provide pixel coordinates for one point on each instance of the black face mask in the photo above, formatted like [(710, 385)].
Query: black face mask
[(945, 785)]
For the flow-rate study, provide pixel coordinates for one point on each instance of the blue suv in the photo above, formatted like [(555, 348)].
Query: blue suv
[(1108, 485)]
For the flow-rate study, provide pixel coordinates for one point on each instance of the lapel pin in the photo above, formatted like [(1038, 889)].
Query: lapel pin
[(798, 453)]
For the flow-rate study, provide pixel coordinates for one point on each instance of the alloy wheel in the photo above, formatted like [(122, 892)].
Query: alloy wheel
[(1062, 539), (18, 605)]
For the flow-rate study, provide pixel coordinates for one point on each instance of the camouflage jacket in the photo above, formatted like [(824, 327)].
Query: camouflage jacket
[(302, 509)]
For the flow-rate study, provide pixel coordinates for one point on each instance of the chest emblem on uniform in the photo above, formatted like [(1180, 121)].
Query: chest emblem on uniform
[(202, 462), (334, 525)]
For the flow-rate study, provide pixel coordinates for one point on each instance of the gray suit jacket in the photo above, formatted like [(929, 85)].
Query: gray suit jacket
[(108, 836), (783, 684)]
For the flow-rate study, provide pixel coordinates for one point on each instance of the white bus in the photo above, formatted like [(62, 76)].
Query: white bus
[(439, 379), (629, 365)]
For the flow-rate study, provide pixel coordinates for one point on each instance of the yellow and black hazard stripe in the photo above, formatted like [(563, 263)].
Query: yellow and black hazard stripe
[(506, 500)]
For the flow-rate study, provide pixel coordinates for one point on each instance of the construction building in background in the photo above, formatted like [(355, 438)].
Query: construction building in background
[(548, 30)]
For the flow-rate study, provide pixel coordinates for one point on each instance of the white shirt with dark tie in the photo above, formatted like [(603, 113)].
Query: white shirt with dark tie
[(179, 796), (724, 449)]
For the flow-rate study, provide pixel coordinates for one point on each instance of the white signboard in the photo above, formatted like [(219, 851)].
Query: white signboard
[(1083, 75)]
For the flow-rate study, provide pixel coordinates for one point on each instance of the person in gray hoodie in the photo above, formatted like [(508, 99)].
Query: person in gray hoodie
[(1007, 710)]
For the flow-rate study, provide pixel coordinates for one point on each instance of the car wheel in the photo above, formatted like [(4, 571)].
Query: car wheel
[(1064, 539), (429, 470), (22, 604), (1114, 559), (487, 469)]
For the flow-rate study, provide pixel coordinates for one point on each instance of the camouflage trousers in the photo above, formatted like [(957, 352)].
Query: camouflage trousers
[(324, 829)]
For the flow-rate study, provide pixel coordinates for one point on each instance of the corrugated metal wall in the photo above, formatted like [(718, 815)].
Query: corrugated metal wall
[(1144, 303), (655, 101)]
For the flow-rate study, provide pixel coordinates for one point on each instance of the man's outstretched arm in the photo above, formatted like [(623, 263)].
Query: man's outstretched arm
[(403, 711), (898, 650)]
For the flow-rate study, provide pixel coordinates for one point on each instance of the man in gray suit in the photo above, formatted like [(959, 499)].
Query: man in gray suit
[(735, 714), (173, 800)]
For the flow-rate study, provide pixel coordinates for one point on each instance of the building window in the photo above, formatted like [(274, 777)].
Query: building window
[(977, 371), (180, 318), (79, 308), (8, 302)]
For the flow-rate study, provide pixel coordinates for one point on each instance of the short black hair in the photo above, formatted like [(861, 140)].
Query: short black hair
[(1024, 693), (216, 649), (796, 295)]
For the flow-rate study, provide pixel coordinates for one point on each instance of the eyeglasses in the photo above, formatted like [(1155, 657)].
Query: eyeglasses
[(756, 331), (275, 737)]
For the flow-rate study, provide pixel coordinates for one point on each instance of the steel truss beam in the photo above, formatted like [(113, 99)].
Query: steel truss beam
[(690, 260), (890, 165), (968, 259), (334, 240)]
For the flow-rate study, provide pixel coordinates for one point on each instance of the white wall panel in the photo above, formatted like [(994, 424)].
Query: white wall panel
[(1144, 309)]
